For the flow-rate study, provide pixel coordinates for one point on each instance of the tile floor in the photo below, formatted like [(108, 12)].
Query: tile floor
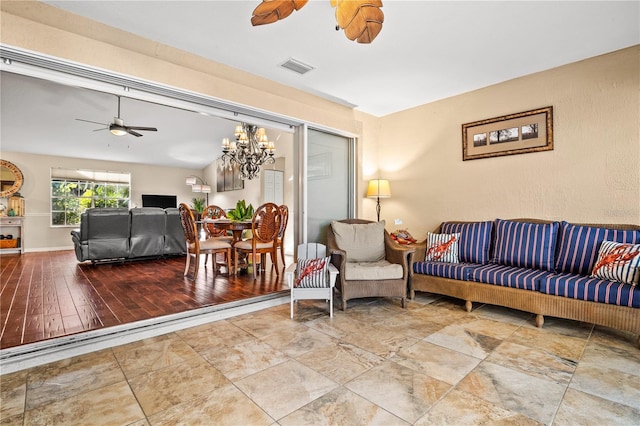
[(376, 363)]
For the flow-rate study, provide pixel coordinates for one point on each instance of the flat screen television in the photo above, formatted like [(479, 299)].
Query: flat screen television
[(163, 201)]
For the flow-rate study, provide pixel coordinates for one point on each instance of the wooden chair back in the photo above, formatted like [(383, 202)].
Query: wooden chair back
[(266, 223), (188, 224), (213, 212), (284, 211)]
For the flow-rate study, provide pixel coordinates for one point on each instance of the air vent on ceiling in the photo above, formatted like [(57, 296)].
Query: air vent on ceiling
[(296, 66)]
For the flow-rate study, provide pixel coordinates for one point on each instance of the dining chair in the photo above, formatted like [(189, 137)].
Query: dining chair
[(312, 276), (210, 213), (214, 212), (195, 247), (265, 226), (284, 210)]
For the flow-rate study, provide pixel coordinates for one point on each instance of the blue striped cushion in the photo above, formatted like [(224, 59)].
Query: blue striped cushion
[(456, 271), (475, 240), (525, 244), (578, 246), (509, 276), (583, 287)]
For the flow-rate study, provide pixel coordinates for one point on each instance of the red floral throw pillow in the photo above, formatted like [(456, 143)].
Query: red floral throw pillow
[(442, 247), (618, 262), (312, 273)]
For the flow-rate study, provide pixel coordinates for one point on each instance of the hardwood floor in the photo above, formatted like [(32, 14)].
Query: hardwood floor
[(49, 294)]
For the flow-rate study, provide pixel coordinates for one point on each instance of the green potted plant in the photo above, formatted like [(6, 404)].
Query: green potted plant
[(198, 205), (241, 212)]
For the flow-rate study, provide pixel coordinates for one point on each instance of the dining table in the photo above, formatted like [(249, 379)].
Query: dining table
[(237, 228)]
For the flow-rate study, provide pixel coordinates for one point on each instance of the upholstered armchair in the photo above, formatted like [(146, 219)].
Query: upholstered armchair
[(369, 262)]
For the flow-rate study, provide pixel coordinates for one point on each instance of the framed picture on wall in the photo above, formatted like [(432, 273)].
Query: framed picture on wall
[(228, 177), (238, 183), (520, 133)]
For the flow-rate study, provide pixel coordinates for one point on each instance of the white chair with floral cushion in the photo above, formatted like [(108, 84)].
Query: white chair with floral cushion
[(312, 276)]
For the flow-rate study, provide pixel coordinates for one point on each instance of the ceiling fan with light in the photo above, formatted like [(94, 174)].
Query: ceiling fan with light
[(361, 20), (118, 128)]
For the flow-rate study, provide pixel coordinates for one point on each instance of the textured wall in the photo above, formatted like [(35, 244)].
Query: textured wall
[(592, 175)]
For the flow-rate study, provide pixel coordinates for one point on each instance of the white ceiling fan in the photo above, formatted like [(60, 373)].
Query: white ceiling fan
[(118, 128)]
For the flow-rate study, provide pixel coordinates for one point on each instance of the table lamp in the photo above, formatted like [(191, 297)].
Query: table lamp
[(378, 188)]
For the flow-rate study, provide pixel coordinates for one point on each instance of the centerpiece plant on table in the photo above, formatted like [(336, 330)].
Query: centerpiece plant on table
[(242, 212)]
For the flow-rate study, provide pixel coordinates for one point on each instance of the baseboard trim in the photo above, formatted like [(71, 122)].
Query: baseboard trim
[(44, 249), (39, 353)]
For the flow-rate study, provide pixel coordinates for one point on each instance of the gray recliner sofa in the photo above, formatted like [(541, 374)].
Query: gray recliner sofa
[(123, 234)]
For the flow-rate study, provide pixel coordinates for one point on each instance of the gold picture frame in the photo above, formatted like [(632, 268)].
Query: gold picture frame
[(520, 133)]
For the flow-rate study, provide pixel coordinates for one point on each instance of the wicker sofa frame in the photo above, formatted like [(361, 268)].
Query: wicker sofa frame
[(355, 289), (608, 315)]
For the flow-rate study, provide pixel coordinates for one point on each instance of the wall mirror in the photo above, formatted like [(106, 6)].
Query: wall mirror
[(10, 178)]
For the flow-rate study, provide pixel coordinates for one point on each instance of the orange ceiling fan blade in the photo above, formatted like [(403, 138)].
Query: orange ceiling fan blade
[(361, 19), (270, 11)]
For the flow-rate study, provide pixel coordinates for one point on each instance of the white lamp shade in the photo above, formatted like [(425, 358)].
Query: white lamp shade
[(191, 180), (206, 188), (196, 188), (379, 188)]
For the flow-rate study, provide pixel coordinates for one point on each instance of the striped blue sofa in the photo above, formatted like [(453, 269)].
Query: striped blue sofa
[(537, 266)]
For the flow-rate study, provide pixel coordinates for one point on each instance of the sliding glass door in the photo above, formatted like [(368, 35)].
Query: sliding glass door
[(329, 182)]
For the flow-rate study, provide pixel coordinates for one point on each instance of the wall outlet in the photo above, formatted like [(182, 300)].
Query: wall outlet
[(398, 221)]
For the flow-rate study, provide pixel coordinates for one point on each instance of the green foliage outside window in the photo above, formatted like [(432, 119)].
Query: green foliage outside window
[(70, 198)]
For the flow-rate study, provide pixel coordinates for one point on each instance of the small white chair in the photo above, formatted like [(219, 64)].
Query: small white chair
[(311, 251)]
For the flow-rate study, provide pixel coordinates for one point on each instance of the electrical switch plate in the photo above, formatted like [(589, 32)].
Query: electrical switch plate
[(398, 221)]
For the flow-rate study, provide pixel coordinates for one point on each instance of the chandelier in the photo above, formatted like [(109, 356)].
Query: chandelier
[(249, 151)]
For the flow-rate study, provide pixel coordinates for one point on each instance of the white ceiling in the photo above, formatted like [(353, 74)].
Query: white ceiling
[(427, 50), (39, 117)]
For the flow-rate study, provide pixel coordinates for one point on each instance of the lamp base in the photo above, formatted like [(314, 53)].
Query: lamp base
[(378, 209)]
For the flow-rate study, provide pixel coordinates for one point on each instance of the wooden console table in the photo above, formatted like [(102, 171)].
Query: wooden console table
[(14, 226)]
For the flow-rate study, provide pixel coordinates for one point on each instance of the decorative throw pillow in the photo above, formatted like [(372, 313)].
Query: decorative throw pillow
[(363, 242), (525, 244), (618, 262), (578, 245), (475, 240), (312, 273), (442, 247)]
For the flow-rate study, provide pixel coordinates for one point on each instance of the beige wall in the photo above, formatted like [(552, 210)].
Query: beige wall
[(592, 175)]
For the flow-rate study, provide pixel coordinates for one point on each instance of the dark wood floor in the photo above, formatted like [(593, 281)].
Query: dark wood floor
[(50, 294)]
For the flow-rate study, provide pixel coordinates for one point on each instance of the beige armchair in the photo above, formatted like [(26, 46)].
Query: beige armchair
[(369, 262)]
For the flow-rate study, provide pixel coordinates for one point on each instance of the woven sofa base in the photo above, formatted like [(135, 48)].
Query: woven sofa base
[(614, 316), (355, 289)]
